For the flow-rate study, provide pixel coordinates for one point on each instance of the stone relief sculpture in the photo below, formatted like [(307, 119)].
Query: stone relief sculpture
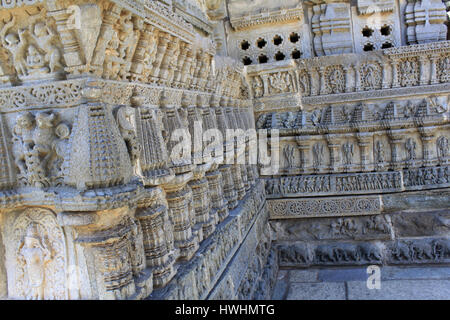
[(442, 147), (410, 146), (87, 116), (38, 255), (39, 148), (348, 152), (289, 156)]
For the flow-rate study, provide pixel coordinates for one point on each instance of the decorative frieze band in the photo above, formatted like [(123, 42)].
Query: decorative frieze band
[(324, 207)]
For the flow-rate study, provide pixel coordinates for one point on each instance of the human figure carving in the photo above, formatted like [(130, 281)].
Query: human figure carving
[(36, 255), (442, 147), (46, 40), (15, 44), (410, 146)]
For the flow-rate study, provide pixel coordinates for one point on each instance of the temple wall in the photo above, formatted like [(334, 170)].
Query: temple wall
[(100, 199)]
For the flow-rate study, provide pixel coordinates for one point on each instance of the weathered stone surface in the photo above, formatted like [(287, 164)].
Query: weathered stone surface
[(317, 291), (351, 228), (423, 224), (101, 198), (401, 290)]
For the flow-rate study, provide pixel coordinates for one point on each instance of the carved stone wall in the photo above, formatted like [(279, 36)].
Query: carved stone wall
[(99, 199)]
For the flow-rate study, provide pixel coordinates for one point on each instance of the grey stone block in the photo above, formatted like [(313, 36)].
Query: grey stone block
[(414, 273), (401, 290), (303, 275), (337, 275), (317, 291)]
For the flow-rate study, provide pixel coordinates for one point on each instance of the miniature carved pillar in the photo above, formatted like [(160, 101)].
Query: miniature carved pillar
[(184, 48), (427, 135), (164, 39), (386, 71), (185, 70), (166, 64), (433, 69), (315, 81), (349, 76), (235, 168), (218, 202), (137, 65), (111, 16), (69, 41), (157, 236), (323, 87), (358, 84), (395, 74), (364, 143), (303, 146), (424, 70), (395, 141), (227, 178), (333, 146)]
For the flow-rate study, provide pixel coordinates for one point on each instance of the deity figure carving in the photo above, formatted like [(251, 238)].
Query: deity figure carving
[(348, 152), (35, 61), (150, 53), (279, 83), (37, 252), (16, 44), (379, 152), (127, 36), (316, 117), (125, 119), (409, 73), (336, 80), (289, 156), (410, 146), (409, 110), (370, 77), (317, 155), (258, 87), (442, 147), (36, 255), (304, 83), (46, 38)]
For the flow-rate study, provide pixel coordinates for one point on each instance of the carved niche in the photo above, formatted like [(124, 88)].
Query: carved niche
[(36, 257)]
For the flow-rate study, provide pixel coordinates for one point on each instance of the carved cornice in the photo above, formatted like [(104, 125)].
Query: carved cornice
[(279, 16)]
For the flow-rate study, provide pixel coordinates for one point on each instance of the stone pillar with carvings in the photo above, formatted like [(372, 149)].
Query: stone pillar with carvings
[(349, 78), (219, 205), (334, 144), (237, 148), (152, 213), (303, 146), (424, 70), (163, 43), (225, 169), (395, 73), (138, 62), (434, 59), (365, 142), (395, 139), (427, 135)]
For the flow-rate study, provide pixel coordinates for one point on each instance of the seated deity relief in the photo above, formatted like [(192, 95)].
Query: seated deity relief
[(33, 48)]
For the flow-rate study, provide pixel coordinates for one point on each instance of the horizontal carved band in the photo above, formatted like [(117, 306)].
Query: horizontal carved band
[(328, 207)]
